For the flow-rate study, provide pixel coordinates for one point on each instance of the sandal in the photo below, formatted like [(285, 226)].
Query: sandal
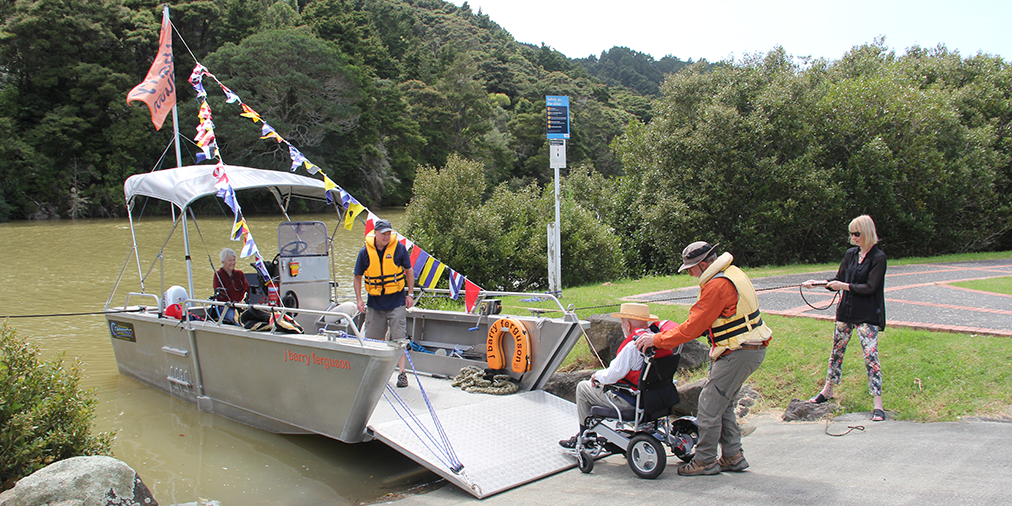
[(819, 399), (878, 415)]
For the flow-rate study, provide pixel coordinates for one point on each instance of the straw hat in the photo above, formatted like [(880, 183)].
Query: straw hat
[(634, 311)]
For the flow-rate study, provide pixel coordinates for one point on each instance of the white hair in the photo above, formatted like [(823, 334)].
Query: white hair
[(226, 253)]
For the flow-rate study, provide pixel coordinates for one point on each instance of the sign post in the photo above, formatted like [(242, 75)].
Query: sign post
[(558, 132)]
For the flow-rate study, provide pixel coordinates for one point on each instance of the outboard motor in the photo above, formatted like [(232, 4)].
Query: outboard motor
[(174, 295)]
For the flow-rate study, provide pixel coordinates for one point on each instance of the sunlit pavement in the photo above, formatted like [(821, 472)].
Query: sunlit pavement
[(919, 296)]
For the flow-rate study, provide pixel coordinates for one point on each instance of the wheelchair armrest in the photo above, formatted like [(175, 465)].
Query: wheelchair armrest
[(619, 387)]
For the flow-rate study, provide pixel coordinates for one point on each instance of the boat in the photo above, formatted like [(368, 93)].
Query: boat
[(330, 380)]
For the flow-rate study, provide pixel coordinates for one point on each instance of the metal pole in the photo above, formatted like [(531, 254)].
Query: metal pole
[(186, 248)]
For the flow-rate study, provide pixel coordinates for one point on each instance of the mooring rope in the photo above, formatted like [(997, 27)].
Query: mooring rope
[(472, 379), (74, 314)]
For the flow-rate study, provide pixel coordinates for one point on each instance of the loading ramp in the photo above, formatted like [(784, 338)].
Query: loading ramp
[(502, 441)]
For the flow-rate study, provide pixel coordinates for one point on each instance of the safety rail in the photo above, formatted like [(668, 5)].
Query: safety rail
[(204, 303), (489, 293), (158, 300)]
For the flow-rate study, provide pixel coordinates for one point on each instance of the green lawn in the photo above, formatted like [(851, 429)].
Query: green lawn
[(927, 376)]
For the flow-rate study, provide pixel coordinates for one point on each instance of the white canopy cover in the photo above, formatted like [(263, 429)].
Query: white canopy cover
[(183, 185)]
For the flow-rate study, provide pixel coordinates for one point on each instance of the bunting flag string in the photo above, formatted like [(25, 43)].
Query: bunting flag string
[(206, 141), (428, 270)]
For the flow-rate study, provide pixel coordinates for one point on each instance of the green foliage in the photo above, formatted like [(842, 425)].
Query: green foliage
[(772, 159), (44, 415), (499, 240)]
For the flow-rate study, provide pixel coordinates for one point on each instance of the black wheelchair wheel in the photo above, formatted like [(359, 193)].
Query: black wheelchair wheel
[(646, 456), (586, 462)]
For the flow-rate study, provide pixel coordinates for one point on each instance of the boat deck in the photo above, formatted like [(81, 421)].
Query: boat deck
[(502, 441)]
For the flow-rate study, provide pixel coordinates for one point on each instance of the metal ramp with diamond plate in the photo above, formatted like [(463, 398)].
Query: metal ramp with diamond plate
[(502, 441)]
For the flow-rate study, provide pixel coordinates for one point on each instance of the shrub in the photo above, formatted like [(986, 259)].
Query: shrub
[(44, 415), (500, 241)]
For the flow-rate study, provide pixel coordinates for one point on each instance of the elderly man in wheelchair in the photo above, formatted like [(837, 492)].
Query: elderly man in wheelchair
[(625, 408)]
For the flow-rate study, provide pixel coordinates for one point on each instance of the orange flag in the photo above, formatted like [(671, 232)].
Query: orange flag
[(158, 89)]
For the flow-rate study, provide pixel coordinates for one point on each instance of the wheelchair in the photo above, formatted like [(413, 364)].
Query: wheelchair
[(641, 432)]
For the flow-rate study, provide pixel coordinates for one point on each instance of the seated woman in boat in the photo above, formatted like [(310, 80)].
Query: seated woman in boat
[(229, 283)]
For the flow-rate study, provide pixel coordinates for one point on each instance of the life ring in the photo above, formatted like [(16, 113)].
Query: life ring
[(496, 356)]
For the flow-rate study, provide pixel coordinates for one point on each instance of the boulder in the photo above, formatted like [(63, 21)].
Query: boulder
[(694, 354), (563, 384), (605, 334), (688, 399), (81, 481), (804, 411)]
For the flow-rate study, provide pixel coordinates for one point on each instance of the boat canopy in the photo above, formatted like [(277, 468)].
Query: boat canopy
[(183, 185)]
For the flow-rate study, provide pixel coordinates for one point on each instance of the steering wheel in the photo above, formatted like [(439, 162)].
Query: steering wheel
[(294, 248)]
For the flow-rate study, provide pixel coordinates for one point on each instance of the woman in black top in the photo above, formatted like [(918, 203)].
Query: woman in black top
[(861, 278)]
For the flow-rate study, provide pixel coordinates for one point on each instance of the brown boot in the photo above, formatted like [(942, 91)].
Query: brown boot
[(697, 468), (734, 463)]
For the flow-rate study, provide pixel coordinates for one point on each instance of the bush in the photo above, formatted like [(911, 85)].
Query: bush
[(44, 415), (499, 241)]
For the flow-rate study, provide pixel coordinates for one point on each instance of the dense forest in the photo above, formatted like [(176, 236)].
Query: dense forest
[(424, 103), (366, 89)]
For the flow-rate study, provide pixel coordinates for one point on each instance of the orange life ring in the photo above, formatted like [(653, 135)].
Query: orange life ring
[(494, 352)]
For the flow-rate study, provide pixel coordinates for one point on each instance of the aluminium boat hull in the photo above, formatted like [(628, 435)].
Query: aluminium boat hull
[(281, 383)]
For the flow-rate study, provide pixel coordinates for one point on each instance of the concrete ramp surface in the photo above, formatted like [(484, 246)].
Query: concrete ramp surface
[(502, 441)]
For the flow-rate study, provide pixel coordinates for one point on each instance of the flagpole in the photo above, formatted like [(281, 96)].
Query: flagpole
[(179, 163)]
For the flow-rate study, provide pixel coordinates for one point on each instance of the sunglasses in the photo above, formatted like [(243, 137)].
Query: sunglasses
[(856, 234)]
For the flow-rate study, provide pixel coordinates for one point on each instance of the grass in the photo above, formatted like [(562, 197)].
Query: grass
[(927, 376)]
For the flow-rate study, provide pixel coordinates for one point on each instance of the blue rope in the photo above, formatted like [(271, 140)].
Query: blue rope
[(443, 445)]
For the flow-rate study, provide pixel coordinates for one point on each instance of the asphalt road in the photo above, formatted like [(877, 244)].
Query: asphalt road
[(799, 463), (919, 296)]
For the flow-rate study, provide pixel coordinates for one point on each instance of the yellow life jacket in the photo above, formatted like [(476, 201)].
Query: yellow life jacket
[(746, 324), (383, 276)]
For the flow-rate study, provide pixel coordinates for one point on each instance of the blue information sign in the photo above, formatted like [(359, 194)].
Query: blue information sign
[(558, 117)]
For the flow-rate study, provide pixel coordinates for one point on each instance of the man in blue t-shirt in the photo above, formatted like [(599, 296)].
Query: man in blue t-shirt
[(385, 268)]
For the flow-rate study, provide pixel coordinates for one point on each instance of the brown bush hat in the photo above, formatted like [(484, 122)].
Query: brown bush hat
[(695, 253)]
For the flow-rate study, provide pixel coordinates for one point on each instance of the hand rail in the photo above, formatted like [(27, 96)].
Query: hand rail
[(158, 300), (281, 309)]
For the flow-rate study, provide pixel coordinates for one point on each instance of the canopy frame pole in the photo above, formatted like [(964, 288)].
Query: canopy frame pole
[(133, 236), (186, 249)]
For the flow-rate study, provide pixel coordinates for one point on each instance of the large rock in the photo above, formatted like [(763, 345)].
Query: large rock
[(605, 334), (804, 411), (81, 481), (563, 384), (688, 399), (694, 354)]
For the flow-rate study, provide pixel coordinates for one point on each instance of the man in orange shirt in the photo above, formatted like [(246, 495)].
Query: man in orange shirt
[(727, 313)]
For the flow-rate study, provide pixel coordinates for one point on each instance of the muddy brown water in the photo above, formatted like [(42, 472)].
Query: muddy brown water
[(182, 454)]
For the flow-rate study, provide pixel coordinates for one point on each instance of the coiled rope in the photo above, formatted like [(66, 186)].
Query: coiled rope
[(472, 379)]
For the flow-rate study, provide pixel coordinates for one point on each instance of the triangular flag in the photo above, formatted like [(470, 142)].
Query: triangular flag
[(456, 283), (370, 221), (230, 98), (471, 292), (158, 90), (267, 132), (297, 157), (250, 113), (249, 248), (312, 169), (418, 259)]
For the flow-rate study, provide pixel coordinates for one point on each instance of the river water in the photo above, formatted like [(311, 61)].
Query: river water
[(182, 454)]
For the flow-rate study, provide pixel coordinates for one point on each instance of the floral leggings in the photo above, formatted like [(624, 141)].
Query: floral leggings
[(869, 343)]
